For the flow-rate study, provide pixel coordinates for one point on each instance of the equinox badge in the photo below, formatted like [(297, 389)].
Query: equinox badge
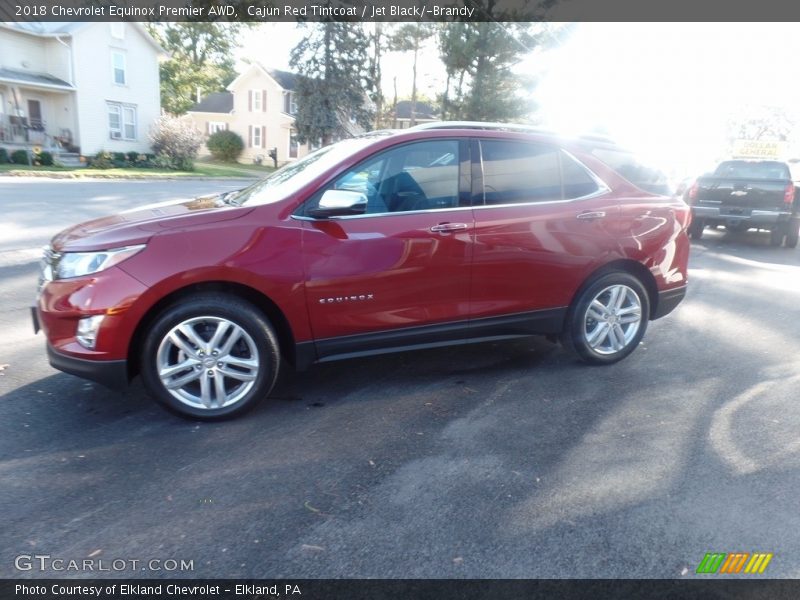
[(340, 299)]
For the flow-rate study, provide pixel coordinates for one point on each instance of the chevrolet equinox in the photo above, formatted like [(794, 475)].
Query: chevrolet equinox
[(446, 233)]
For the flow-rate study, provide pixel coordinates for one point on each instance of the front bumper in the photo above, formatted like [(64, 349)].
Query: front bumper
[(752, 217), (110, 373)]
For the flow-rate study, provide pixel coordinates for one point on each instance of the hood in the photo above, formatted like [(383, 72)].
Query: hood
[(139, 225)]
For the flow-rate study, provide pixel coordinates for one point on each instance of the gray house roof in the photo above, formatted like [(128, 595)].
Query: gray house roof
[(215, 102), (422, 111), (36, 78), (285, 79), (38, 28)]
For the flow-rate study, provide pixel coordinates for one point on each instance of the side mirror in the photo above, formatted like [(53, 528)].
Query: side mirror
[(337, 203)]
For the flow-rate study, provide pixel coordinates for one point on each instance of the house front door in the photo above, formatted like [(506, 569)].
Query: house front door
[(35, 115)]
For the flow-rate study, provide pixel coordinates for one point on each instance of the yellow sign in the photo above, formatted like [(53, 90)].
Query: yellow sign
[(758, 149)]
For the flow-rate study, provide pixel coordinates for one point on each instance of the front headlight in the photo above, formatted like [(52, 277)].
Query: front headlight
[(77, 264)]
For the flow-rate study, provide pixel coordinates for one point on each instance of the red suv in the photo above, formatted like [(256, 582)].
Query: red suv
[(442, 234)]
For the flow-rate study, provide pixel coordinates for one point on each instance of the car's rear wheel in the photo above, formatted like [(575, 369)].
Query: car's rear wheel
[(793, 233), (211, 357), (608, 319), (696, 229)]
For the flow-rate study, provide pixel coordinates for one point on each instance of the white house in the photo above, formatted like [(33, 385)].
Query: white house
[(259, 105), (80, 87)]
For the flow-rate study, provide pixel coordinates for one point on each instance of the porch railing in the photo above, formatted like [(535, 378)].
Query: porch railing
[(19, 130)]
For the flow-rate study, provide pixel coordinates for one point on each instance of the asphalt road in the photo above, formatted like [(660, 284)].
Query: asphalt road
[(492, 460)]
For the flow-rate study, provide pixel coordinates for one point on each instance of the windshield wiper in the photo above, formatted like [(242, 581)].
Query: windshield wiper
[(227, 197)]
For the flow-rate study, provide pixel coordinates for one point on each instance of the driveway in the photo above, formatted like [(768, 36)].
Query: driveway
[(505, 460)]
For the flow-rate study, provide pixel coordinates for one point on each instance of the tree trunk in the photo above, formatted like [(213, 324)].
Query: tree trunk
[(414, 83)]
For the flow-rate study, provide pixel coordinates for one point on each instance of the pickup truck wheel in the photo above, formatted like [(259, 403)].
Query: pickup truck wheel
[(608, 319), (792, 233), (696, 229), (776, 235), (211, 357)]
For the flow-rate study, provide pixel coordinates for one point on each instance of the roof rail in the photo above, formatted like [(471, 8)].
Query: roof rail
[(481, 125)]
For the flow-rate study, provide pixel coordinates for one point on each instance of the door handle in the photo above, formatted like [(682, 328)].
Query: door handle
[(592, 215), (448, 227)]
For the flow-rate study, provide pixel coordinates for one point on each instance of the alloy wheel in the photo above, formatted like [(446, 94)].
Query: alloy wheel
[(612, 319), (207, 362)]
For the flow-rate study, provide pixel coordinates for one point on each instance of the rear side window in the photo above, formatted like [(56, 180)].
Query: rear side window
[(517, 172), (746, 169), (631, 168), (578, 182)]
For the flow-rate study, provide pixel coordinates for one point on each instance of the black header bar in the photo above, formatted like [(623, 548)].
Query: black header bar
[(399, 10)]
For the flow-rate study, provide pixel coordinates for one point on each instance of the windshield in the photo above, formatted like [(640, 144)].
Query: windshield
[(290, 178)]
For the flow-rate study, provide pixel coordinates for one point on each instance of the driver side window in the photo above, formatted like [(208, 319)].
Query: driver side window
[(412, 177)]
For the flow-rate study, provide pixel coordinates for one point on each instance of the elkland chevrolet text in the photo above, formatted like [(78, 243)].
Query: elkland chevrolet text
[(442, 234)]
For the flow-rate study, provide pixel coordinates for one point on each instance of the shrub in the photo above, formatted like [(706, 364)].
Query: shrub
[(45, 159), (3, 156), (162, 161), (225, 145), (133, 157), (101, 160), (20, 157), (177, 139)]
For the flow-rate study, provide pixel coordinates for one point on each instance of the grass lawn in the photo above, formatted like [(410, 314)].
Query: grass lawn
[(202, 169)]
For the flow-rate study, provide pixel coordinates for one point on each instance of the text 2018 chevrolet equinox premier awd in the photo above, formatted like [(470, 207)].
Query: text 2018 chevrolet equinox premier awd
[(437, 235)]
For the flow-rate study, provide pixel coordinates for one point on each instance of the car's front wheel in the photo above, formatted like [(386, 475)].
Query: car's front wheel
[(210, 357), (608, 319)]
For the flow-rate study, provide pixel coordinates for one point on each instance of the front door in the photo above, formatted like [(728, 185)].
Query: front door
[(403, 263), (35, 120)]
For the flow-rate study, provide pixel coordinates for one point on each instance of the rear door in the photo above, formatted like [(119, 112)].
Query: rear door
[(542, 220), (405, 262)]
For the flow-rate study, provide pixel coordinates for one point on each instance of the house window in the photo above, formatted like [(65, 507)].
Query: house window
[(257, 137), (292, 146), (118, 30), (121, 121), (118, 68), (256, 99), (289, 103), (215, 126)]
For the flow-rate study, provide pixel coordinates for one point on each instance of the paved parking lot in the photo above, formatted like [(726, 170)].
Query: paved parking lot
[(492, 460)]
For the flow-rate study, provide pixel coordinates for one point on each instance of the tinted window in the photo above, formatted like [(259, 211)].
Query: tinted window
[(418, 176), (628, 166), (748, 169), (578, 182), (516, 172)]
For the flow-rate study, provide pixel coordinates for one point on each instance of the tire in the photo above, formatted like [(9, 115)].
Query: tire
[(793, 233), (696, 229), (220, 354), (776, 235), (614, 340)]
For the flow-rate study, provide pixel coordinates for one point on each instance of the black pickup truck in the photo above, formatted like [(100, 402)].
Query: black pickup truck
[(747, 194)]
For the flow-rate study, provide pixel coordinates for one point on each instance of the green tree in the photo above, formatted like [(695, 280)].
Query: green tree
[(409, 37), (479, 59), (377, 39), (332, 61), (200, 59)]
